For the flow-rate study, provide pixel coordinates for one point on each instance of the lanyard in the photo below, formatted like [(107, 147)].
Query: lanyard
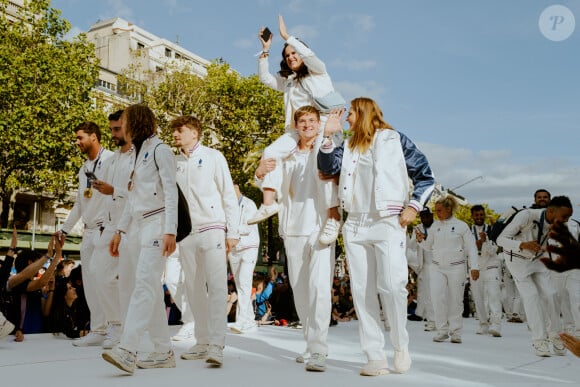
[(95, 165)]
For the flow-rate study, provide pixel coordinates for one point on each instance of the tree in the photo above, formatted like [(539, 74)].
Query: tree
[(240, 116), (46, 83)]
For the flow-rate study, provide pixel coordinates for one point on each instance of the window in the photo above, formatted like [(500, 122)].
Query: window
[(140, 46), (168, 53)]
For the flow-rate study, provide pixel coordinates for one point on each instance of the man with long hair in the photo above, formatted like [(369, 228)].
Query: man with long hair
[(152, 212)]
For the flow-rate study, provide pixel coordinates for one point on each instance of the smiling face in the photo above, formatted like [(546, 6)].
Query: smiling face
[(292, 58), (86, 142), (478, 217), (308, 125), (117, 133)]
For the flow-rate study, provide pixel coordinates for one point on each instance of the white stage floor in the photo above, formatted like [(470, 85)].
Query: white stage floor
[(266, 358)]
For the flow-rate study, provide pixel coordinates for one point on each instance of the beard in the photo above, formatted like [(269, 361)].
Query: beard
[(119, 141)]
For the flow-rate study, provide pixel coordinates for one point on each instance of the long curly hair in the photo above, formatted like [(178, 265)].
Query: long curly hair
[(139, 122)]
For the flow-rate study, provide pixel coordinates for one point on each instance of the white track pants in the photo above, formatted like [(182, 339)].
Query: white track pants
[(203, 259), (447, 288), (89, 264), (310, 271), (147, 309), (107, 276), (242, 264), (375, 251), (539, 296), (487, 297)]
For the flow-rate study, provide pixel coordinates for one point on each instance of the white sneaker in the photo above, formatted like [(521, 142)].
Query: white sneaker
[(557, 346), (91, 340), (541, 348), (303, 357), (6, 327), (120, 358), (184, 333), (495, 331), (456, 338), (441, 337), (329, 232), (264, 212), (375, 368), (158, 360), (483, 329), (429, 326), (197, 352), (215, 355), (402, 361), (317, 363), (113, 336)]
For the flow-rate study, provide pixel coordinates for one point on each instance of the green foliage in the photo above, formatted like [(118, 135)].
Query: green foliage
[(240, 116), (46, 82)]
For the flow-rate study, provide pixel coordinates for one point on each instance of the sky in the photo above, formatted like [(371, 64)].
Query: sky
[(486, 89)]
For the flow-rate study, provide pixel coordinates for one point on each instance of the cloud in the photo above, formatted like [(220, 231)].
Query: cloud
[(504, 182), (352, 90)]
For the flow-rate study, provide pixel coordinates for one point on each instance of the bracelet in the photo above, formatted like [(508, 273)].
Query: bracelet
[(119, 232)]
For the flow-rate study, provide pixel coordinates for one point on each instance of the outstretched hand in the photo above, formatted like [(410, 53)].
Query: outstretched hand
[(568, 250), (334, 121), (282, 27)]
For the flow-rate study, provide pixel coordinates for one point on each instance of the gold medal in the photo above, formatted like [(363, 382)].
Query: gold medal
[(88, 193)]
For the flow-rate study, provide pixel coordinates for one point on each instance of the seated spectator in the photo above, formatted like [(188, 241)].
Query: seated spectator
[(264, 287), (69, 314)]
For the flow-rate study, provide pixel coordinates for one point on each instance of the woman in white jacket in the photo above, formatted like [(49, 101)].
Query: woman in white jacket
[(451, 241), (375, 165), (302, 77)]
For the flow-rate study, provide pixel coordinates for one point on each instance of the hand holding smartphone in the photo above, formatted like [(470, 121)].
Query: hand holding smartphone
[(266, 34), (90, 176)]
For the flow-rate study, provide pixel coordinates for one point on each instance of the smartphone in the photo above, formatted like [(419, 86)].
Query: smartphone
[(91, 176), (266, 34)]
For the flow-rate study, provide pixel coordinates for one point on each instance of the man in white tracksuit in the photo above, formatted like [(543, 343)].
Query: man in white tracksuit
[(486, 290), (108, 276), (302, 217), (90, 207), (151, 212), (524, 240), (243, 261), (204, 177)]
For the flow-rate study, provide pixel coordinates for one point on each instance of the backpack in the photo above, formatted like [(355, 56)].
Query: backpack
[(184, 225), (496, 229)]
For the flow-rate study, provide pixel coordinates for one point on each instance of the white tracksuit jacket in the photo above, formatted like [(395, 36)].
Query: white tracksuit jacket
[(92, 212), (532, 278)]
